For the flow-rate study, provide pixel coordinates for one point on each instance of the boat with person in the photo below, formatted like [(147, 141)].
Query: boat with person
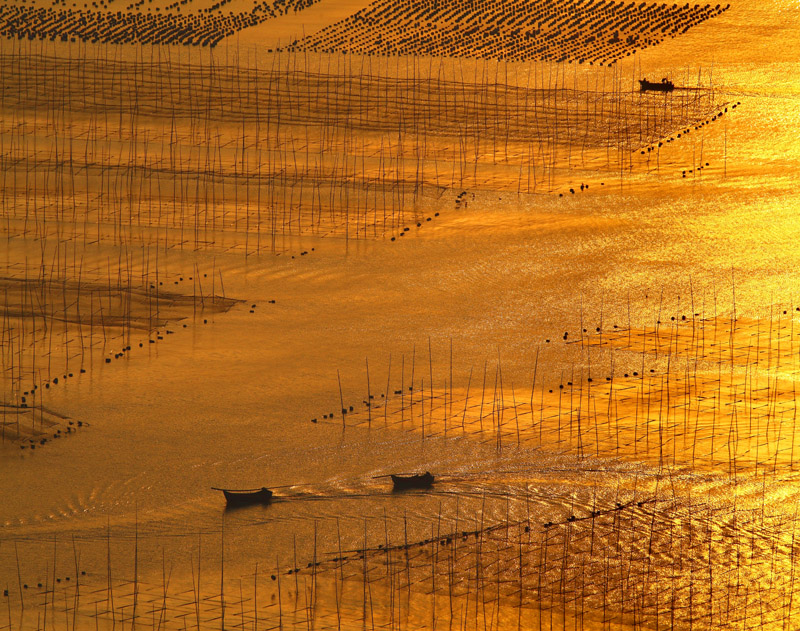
[(651, 86), (244, 497), (415, 481)]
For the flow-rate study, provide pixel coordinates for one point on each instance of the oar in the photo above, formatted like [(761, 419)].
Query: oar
[(285, 486)]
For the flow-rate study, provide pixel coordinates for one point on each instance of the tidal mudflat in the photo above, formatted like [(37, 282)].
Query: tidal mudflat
[(308, 245)]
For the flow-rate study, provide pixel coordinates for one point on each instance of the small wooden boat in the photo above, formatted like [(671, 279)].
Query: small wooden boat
[(652, 86), (417, 481), (247, 496)]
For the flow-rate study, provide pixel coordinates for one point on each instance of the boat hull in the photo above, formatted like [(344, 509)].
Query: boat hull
[(650, 86), (243, 498), (423, 481)]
